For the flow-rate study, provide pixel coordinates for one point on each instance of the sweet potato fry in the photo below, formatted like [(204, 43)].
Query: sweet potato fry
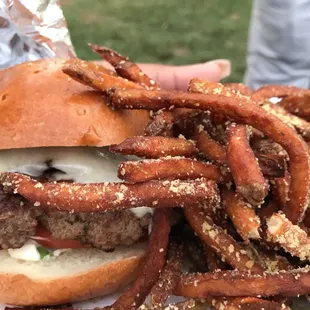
[(249, 180), (98, 80), (91, 65), (155, 147), (169, 276), (124, 67), (171, 168), (243, 216), (246, 303), (99, 197), (211, 88), (221, 243), (290, 237), (235, 283), (280, 91), (152, 266), (160, 125), (297, 105), (240, 88), (299, 124), (213, 150), (243, 112)]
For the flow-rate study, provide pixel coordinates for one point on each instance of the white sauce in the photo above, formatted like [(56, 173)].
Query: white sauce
[(81, 164), (27, 252), (275, 100)]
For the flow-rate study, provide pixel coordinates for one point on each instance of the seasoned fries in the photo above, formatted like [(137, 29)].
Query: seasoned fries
[(239, 110)]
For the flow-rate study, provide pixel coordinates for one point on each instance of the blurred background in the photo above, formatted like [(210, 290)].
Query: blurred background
[(163, 31)]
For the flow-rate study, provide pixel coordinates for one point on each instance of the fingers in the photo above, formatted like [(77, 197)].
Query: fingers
[(178, 77)]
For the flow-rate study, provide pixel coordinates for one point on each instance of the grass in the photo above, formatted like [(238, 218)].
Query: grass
[(163, 31)]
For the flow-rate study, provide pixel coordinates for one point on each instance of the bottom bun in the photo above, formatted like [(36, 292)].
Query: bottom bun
[(75, 275)]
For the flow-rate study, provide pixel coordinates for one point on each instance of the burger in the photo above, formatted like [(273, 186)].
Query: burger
[(53, 128)]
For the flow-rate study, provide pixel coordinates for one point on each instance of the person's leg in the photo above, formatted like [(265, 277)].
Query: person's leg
[(279, 43)]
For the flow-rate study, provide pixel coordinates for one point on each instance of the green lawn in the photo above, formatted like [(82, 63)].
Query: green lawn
[(163, 31)]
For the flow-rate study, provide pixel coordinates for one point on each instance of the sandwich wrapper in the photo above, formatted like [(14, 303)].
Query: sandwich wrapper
[(31, 30)]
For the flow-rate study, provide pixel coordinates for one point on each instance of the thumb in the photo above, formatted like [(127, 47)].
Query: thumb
[(178, 77)]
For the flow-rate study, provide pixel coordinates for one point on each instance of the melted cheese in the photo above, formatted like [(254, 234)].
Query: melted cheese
[(81, 164)]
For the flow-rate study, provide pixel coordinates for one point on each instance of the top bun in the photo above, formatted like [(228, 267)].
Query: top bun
[(41, 106)]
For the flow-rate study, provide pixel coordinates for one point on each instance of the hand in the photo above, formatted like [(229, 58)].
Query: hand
[(178, 77)]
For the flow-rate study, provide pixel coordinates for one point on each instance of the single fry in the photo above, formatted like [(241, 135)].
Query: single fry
[(99, 197), (124, 67), (297, 105), (170, 168), (152, 266), (291, 238), (169, 276), (213, 150), (92, 66), (280, 91), (243, 215), (221, 243), (98, 80), (241, 111), (299, 124), (235, 283), (155, 147), (244, 167)]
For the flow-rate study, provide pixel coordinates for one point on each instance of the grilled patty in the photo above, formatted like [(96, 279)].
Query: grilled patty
[(105, 231)]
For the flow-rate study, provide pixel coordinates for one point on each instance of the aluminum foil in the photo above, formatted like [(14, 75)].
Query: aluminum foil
[(32, 29)]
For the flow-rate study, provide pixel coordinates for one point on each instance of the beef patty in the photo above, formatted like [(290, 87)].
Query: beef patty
[(18, 222)]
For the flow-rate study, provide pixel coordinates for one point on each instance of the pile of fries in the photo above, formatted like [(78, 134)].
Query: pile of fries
[(229, 164)]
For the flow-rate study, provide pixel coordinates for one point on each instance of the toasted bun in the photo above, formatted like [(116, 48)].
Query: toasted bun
[(42, 106), (73, 276)]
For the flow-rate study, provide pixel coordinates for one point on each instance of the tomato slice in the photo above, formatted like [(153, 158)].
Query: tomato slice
[(45, 238)]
